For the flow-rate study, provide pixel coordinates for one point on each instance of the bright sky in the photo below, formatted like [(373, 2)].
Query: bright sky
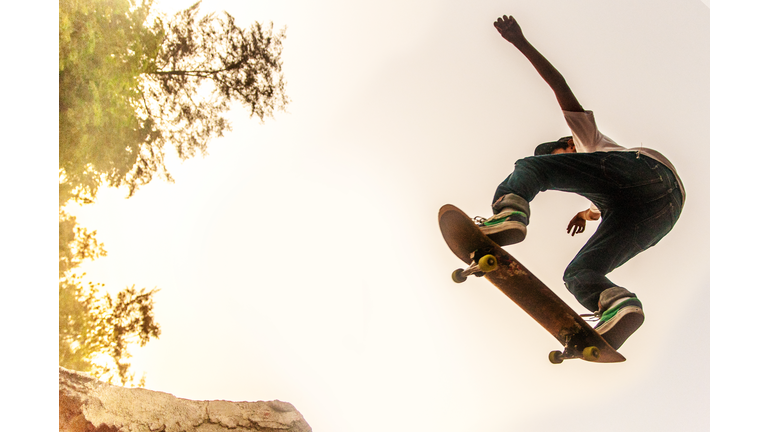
[(301, 259)]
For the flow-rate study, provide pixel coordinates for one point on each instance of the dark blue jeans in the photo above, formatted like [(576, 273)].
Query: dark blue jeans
[(639, 199)]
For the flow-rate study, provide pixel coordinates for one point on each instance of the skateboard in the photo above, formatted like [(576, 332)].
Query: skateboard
[(486, 258)]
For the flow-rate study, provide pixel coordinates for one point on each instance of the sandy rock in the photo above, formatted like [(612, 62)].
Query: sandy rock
[(89, 405)]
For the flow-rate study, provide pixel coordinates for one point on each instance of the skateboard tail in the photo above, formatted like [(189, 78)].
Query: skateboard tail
[(457, 233)]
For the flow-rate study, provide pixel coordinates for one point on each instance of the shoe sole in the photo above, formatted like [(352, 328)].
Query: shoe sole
[(618, 329), (507, 233)]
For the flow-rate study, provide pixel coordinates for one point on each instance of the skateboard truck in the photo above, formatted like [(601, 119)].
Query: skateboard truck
[(486, 264), (572, 349)]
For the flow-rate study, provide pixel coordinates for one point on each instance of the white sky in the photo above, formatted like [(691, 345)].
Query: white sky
[(301, 259)]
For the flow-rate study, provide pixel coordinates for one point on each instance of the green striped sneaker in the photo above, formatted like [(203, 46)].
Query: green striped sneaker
[(505, 228), (622, 318)]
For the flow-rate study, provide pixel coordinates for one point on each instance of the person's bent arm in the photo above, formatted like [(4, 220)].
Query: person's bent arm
[(510, 30)]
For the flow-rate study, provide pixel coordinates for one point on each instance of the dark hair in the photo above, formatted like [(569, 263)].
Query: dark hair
[(548, 147)]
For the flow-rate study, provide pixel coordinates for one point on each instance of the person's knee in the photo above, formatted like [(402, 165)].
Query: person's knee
[(571, 272), (571, 279), (527, 164)]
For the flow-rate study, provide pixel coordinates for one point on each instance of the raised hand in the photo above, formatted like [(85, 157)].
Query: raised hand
[(509, 29)]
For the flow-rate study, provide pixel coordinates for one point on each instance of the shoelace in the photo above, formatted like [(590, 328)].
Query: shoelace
[(479, 220)]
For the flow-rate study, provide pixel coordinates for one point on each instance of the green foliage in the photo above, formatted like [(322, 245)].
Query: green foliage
[(76, 244), (78, 339), (130, 85), (95, 330), (104, 48)]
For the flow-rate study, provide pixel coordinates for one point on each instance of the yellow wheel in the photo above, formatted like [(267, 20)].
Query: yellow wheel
[(457, 276), (555, 357), (591, 353), (488, 263)]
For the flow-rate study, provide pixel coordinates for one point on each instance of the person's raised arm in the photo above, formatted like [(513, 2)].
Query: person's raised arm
[(510, 30)]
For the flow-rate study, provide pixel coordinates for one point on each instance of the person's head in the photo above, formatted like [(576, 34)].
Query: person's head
[(563, 145)]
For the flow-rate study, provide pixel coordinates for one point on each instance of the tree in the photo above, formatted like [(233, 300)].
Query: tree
[(132, 83), (95, 330), (104, 48)]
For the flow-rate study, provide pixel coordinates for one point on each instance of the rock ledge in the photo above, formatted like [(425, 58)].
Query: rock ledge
[(89, 405)]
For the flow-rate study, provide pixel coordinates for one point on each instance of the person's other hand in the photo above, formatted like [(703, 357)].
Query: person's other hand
[(577, 224)]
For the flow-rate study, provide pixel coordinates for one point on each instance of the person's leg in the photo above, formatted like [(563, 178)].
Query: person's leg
[(609, 179), (639, 202), (608, 248), (530, 176), (606, 178), (622, 234)]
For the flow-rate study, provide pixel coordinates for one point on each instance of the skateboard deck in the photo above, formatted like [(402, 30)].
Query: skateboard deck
[(486, 258)]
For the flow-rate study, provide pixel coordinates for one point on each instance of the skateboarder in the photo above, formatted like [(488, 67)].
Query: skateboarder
[(635, 191)]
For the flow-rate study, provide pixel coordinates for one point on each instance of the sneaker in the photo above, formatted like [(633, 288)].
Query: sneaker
[(620, 320), (505, 228)]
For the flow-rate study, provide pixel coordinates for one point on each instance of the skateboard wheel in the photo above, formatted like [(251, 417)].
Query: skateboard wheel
[(457, 276), (591, 353), (488, 263), (555, 357)]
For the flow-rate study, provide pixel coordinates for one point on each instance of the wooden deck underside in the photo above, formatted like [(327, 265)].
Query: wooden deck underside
[(521, 286)]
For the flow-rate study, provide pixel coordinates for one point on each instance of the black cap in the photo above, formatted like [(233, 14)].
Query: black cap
[(548, 147)]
